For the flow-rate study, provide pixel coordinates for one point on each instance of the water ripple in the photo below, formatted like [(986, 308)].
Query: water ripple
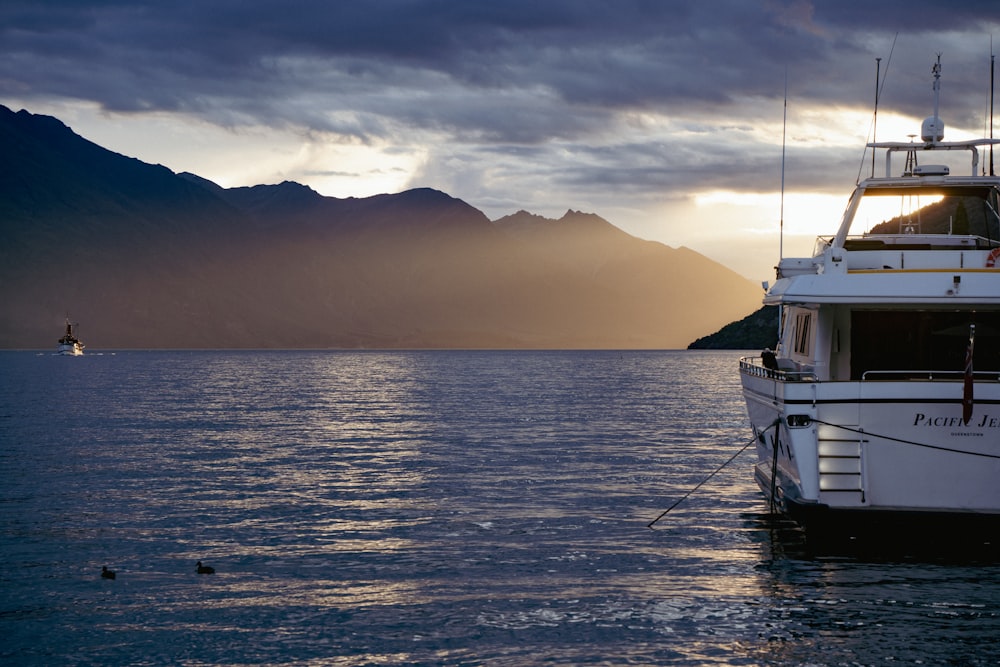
[(437, 508)]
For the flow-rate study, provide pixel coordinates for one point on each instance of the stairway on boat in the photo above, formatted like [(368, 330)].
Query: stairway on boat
[(840, 472)]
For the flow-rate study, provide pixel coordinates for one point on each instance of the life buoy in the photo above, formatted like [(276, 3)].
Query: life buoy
[(991, 259)]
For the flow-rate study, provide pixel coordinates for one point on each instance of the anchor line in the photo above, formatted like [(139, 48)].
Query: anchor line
[(908, 442), (713, 474), (772, 500)]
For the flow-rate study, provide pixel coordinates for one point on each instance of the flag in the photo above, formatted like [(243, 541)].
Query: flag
[(967, 400)]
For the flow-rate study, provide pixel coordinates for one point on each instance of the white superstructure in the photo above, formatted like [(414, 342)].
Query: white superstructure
[(882, 399)]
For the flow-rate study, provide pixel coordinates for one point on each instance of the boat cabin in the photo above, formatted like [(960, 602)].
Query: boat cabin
[(897, 300)]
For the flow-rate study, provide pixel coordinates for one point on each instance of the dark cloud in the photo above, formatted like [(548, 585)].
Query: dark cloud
[(255, 60), (518, 101)]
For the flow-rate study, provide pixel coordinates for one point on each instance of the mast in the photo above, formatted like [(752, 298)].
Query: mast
[(878, 67), (781, 215), (992, 71)]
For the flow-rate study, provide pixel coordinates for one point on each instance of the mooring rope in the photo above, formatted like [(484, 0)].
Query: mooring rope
[(714, 473), (772, 501)]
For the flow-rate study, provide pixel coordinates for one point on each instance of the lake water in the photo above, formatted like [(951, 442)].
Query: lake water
[(429, 508)]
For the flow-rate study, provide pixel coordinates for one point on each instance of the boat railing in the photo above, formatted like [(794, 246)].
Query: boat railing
[(908, 242), (928, 375), (755, 366)]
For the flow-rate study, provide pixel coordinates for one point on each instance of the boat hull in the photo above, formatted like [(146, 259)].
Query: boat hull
[(872, 453)]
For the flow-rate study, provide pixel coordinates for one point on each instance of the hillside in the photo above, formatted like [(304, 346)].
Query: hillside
[(142, 257), (754, 332)]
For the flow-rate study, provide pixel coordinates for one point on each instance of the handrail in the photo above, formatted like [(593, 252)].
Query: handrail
[(928, 375), (755, 366), (953, 242)]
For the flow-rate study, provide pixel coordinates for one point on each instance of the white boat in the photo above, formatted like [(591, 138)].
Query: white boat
[(69, 344), (880, 407)]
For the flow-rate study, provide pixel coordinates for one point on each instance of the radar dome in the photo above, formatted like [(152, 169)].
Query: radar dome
[(932, 129)]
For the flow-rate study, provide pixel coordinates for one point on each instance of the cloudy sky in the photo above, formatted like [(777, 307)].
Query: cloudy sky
[(664, 117)]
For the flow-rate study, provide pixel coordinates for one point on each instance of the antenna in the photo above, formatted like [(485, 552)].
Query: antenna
[(781, 217), (878, 67), (992, 70), (936, 70), (879, 87), (932, 129)]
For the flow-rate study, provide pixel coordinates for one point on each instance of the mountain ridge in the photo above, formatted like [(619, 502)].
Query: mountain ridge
[(145, 258)]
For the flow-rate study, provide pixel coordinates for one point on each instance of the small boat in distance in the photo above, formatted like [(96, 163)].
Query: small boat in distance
[(69, 344), (879, 411)]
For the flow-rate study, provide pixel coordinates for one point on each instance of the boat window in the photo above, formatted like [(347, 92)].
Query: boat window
[(897, 212), (921, 341), (803, 323)]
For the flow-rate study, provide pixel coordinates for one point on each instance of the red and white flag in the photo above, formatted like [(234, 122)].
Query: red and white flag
[(967, 399)]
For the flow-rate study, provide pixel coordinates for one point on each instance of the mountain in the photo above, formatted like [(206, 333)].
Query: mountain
[(142, 257)]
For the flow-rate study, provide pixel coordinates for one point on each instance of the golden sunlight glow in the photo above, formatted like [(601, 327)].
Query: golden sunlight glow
[(368, 170), (874, 210), (810, 214), (325, 163)]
